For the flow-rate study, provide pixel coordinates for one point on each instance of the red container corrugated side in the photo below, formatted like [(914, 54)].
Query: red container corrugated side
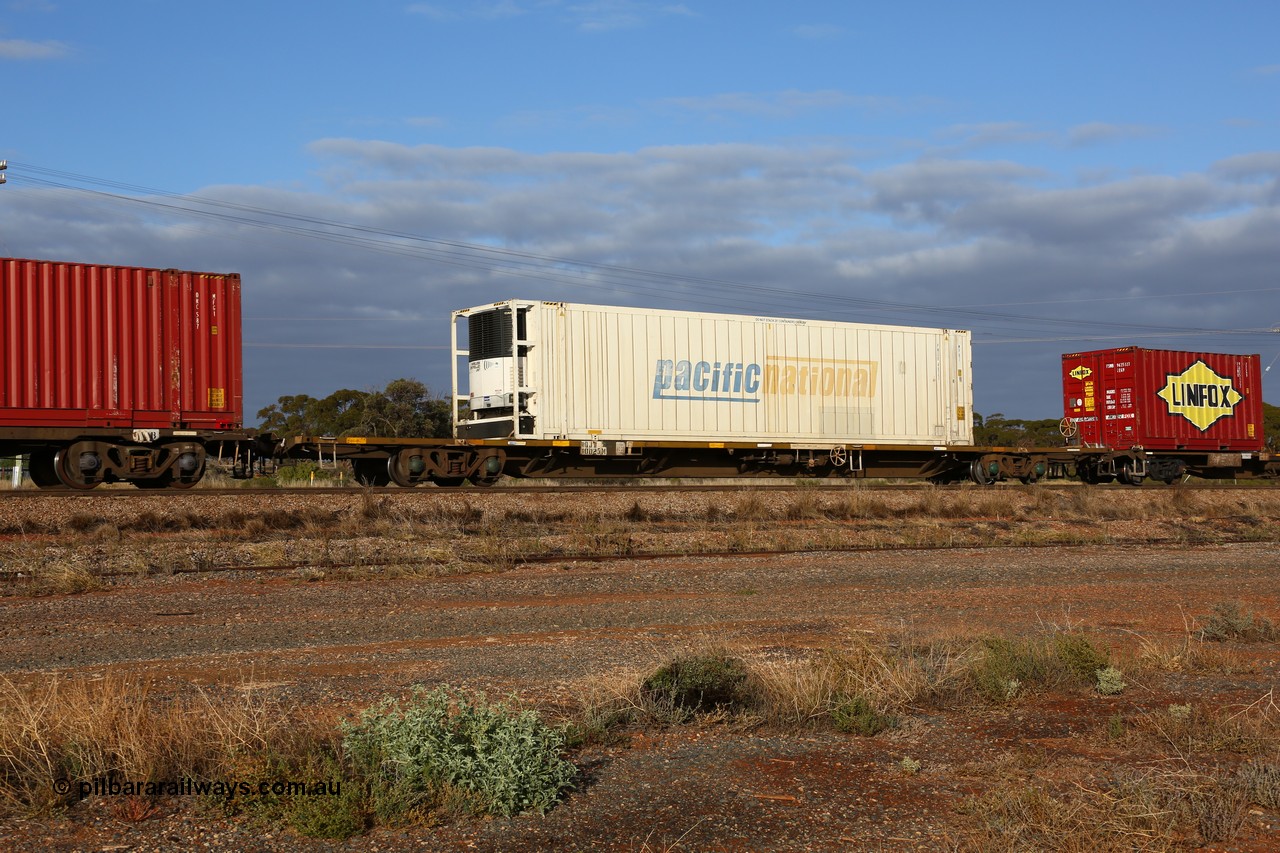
[(1164, 399), (86, 345)]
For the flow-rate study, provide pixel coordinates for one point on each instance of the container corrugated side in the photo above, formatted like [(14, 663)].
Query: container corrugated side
[(110, 346), (601, 372), (1165, 399)]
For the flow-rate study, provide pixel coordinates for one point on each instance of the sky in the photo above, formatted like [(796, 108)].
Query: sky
[(1053, 177)]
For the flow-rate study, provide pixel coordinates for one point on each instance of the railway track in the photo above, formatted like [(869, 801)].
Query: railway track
[(127, 492)]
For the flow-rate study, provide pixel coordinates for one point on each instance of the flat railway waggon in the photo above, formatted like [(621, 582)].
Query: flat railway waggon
[(132, 374), (113, 373)]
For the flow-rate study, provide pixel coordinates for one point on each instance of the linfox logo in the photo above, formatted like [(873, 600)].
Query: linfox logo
[(1081, 372), (1200, 395), (748, 382)]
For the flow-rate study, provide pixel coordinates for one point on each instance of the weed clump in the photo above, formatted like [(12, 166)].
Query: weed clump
[(1005, 667), (856, 715), (1230, 621), (1262, 782), (442, 747), (699, 684), (1110, 681), (1081, 658)]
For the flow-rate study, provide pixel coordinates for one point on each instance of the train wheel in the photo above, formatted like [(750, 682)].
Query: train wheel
[(370, 472), (40, 469), (1127, 475), (76, 470), (189, 481), (405, 468), (980, 474)]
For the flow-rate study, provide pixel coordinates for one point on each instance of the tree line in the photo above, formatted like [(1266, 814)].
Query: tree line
[(406, 408)]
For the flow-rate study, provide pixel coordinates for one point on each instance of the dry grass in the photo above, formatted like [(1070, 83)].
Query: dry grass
[(383, 530), (1155, 811), (897, 674), (113, 727), (1196, 729), (892, 675)]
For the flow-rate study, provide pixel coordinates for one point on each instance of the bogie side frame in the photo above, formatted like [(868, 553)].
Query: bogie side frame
[(84, 458)]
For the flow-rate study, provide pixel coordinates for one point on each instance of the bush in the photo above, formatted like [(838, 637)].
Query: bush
[(445, 747), (702, 683), (1080, 657), (1110, 681), (859, 716), (303, 473), (1005, 666), (1229, 621)]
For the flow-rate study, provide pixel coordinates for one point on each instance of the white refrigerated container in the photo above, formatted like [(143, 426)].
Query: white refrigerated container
[(564, 371)]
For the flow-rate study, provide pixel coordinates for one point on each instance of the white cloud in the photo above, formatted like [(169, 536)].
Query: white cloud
[(20, 49), (1265, 164), (585, 15), (968, 137), (1267, 70), (486, 11), (778, 104), (605, 15), (817, 32), (1095, 133)]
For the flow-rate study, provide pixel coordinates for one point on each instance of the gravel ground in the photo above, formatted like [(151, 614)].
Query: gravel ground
[(546, 632)]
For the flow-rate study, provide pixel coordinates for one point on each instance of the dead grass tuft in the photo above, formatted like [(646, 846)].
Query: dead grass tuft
[(57, 577), (1195, 729), (112, 727), (1155, 811)]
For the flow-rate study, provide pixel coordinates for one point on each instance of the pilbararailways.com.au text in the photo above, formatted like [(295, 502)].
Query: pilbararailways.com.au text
[(227, 789)]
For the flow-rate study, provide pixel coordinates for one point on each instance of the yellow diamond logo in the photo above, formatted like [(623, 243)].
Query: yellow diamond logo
[(1200, 395), (1081, 372)]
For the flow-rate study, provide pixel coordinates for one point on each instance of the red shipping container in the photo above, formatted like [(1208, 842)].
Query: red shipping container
[(86, 345), (1164, 399)]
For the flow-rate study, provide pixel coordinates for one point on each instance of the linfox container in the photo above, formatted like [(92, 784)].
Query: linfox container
[(86, 345), (1164, 399), (559, 371)]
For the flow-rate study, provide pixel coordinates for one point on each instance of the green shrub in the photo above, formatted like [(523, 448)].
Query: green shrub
[(337, 813), (443, 747), (1005, 666), (858, 716), (1081, 658), (302, 473), (1110, 681), (701, 683)]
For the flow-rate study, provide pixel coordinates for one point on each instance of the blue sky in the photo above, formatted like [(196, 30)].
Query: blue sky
[(1055, 178)]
